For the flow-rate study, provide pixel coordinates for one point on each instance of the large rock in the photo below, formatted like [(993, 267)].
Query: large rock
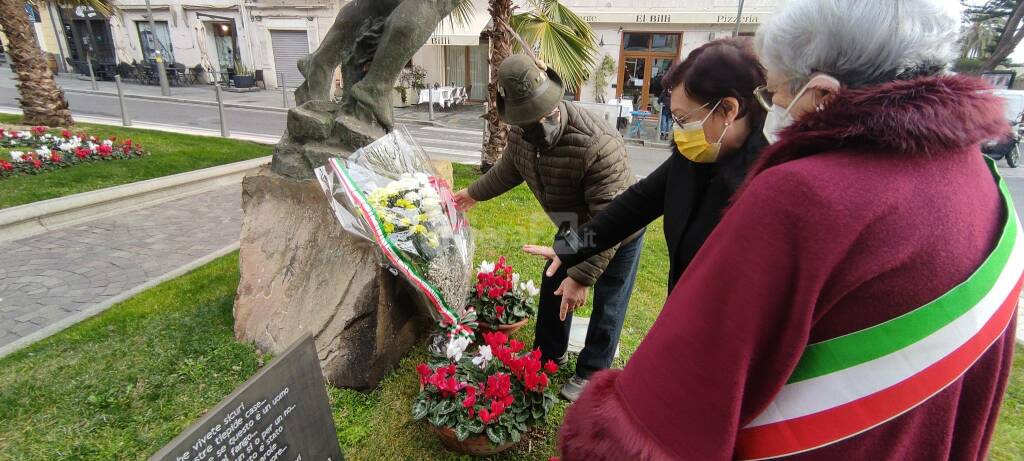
[(301, 272)]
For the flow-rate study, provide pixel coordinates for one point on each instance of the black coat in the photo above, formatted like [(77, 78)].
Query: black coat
[(691, 196)]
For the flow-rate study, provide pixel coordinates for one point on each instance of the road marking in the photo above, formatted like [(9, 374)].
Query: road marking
[(448, 142), (452, 152), (451, 130)]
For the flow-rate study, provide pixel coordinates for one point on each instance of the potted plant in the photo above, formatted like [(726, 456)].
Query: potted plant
[(243, 76), (501, 301), (413, 77), (484, 403)]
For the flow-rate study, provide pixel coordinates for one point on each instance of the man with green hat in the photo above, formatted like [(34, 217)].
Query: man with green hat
[(575, 163)]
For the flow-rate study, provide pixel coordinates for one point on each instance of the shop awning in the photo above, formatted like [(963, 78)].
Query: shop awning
[(450, 33)]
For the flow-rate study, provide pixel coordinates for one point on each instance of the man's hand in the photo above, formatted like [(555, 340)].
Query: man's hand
[(573, 294), (463, 201), (546, 252)]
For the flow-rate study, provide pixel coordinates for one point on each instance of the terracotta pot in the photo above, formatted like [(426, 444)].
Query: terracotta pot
[(484, 327), (479, 445)]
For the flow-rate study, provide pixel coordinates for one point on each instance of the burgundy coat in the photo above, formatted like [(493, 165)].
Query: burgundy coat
[(860, 213)]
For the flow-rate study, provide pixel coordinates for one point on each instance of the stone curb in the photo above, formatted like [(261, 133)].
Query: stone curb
[(229, 105), (96, 309), (39, 217)]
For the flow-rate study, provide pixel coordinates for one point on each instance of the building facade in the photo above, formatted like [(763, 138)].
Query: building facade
[(642, 37)]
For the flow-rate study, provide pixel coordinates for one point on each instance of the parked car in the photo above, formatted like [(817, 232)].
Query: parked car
[(1009, 147)]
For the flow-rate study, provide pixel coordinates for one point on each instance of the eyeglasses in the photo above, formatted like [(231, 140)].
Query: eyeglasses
[(764, 97), (681, 121)]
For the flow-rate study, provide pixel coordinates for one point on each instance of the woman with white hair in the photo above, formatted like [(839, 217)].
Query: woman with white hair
[(858, 299)]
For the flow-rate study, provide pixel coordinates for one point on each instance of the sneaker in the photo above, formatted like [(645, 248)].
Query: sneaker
[(572, 389), (563, 360)]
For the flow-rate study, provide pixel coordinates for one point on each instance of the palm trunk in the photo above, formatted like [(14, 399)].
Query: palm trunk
[(1008, 40), (500, 40), (42, 101)]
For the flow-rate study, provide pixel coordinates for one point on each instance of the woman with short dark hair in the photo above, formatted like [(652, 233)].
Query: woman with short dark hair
[(718, 134)]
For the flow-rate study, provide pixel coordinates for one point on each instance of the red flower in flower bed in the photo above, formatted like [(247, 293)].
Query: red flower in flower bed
[(67, 150), (498, 392)]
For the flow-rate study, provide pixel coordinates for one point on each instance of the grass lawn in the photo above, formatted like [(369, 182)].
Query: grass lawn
[(170, 153), (122, 384)]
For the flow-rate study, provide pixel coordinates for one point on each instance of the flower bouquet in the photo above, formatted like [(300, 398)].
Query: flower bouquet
[(388, 193), (483, 403), (501, 301)]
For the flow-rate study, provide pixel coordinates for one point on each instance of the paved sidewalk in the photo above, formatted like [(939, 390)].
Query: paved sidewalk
[(49, 278)]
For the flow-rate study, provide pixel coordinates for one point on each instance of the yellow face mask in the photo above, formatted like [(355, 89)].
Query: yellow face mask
[(692, 143)]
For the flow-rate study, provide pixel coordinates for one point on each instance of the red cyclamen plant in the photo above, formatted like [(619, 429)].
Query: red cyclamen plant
[(498, 392), (499, 298)]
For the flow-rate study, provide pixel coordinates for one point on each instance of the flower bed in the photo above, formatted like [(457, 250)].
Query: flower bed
[(38, 150), (494, 395)]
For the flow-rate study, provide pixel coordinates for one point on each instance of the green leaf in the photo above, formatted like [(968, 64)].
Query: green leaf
[(474, 425), (420, 409), (537, 412), (461, 432), (492, 434), (447, 407), (437, 420)]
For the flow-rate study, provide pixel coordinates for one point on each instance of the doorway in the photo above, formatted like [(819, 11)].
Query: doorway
[(645, 57), (226, 43)]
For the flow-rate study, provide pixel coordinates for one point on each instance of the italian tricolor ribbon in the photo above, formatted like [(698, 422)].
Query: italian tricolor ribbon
[(449, 317), (847, 385)]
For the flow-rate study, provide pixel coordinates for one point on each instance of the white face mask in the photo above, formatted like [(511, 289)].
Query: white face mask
[(779, 118)]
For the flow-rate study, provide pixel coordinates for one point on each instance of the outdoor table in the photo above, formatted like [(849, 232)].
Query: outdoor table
[(444, 97)]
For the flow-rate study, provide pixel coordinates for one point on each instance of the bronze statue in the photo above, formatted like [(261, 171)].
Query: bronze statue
[(371, 40)]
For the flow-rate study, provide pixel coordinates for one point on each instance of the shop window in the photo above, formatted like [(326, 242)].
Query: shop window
[(636, 42), (160, 41), (665, 43)]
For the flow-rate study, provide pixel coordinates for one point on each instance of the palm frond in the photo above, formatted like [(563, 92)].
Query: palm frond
[(566, 42), (462, 14)]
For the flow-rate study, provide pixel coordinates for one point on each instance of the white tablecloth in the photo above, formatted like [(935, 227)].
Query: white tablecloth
[(626, 106), (445, 96)]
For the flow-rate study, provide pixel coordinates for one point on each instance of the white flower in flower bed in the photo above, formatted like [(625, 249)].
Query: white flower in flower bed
[(43, 152), (16, 155)]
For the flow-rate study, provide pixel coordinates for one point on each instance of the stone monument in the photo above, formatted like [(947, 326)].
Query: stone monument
[(300, 271)]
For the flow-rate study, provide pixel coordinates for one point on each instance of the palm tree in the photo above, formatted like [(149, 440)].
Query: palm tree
[(979, 38), (42, 101), (500, 40), (564, 40)]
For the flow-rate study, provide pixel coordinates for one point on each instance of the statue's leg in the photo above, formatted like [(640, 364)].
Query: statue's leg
[(408, 28), (318, 67)]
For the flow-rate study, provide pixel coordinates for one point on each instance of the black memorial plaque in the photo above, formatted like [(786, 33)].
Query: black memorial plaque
[(281, 414)]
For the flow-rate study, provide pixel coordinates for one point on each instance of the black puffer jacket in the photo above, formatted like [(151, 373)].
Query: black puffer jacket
[(585, 169)]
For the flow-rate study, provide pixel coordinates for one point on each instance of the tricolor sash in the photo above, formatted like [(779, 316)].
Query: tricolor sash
[(847, 385)]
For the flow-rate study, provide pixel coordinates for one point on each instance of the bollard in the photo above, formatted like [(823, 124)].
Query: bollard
[(220, 109), (92, 76), (284, 92), (430, 103), (125, 120)]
